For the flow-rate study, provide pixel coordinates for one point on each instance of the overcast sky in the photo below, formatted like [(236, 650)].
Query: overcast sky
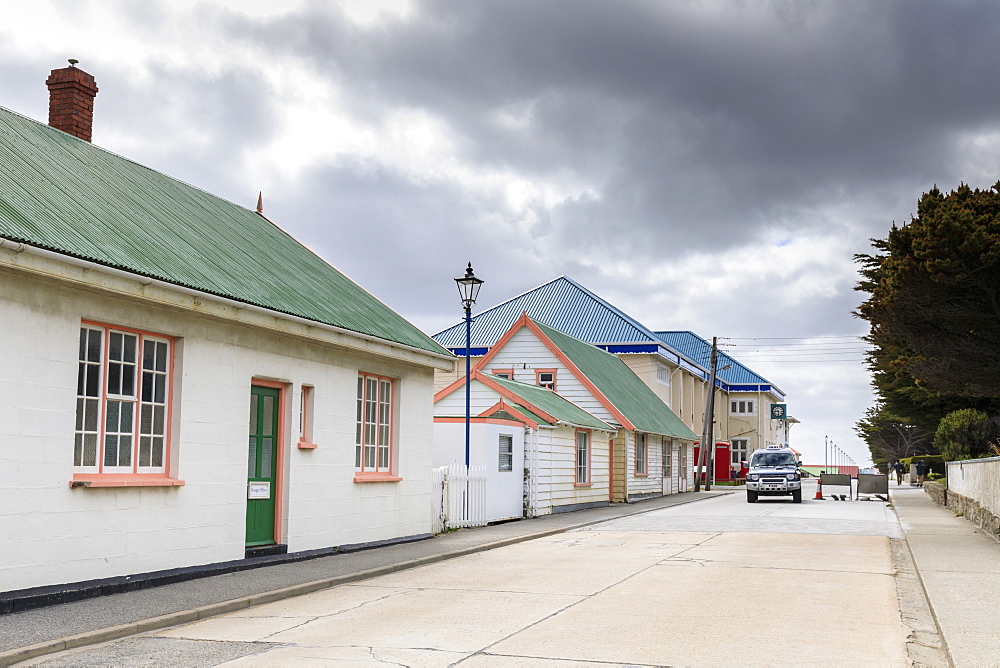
[(707, 165)]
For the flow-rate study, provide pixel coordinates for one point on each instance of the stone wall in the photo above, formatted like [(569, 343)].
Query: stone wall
[(973, 492), (937, 492), (975, 513)]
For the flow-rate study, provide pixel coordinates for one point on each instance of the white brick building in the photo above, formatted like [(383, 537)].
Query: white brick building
[(182, 383)]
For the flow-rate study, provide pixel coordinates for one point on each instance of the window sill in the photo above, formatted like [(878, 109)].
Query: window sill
[(124, 480), (583, 484), (641, 475), (376, 477), (306, 445)]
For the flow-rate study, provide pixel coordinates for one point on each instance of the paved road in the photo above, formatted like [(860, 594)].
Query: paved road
[(719, 582)]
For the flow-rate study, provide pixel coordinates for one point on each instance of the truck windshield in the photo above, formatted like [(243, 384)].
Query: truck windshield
[(773, 459)]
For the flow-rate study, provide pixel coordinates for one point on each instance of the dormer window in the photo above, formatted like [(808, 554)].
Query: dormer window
[(546, 378)]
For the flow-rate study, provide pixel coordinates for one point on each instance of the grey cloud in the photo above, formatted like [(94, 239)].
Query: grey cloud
[(231, 111), (24, 83), (402, 241), (698, 131)]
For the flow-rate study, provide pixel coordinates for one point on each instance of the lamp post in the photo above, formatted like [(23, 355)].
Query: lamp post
[(468, 288)]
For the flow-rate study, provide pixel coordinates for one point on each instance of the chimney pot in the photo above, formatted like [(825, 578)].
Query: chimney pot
[(71, 100)]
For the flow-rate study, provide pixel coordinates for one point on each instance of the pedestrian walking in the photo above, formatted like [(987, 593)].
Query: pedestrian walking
[(898, 470), (921, 472)]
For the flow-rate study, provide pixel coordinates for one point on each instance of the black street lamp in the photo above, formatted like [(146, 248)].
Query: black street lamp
[(468, 288)]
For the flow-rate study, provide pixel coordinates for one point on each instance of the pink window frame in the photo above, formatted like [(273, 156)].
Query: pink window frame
[(538, 378), (389, 474), (645, 452), (134, 478), (509, 371), (590, 458), (307, 399)]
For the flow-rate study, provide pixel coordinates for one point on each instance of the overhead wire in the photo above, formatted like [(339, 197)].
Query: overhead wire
[(786, 349)]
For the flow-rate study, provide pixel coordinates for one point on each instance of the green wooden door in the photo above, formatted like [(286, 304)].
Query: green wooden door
[(262, 465)]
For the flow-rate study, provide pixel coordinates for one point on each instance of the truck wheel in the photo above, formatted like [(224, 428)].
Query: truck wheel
[(796, 496), (751, 497)]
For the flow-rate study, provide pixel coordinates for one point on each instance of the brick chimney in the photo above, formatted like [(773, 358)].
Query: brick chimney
[(71, 100)]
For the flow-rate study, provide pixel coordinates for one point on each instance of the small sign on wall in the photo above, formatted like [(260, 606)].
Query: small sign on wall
[(259, 490)]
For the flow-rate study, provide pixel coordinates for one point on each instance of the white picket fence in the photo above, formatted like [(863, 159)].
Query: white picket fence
[(463, 496)]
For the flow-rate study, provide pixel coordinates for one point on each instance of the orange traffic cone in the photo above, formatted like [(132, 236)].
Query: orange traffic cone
[(819, 491)]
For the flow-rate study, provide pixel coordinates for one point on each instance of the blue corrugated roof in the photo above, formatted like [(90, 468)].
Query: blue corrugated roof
[(567, 306), (698, 349), (562, 304)]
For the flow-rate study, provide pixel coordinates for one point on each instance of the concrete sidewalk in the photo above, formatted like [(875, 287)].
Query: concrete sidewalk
[(34, 633), (959, 568)]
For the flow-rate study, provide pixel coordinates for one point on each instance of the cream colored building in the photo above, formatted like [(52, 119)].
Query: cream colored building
[(744, 401)]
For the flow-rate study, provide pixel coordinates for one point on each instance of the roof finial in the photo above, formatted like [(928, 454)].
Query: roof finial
[(260, 202)]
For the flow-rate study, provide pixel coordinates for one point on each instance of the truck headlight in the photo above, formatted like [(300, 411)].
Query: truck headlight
[(751, 476), (792, 476)]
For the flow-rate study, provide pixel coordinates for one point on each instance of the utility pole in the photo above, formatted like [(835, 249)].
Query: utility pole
[(707, 436)]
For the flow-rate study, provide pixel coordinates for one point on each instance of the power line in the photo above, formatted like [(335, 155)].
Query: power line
[(796, 353), (754, 350), (821, 361), (787, 338), (799, 345), (835, 349)]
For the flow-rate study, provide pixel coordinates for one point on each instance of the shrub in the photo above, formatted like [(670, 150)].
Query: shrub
[(965, 434), (935, 463)]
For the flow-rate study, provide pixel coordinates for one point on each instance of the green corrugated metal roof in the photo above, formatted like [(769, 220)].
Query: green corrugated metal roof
[(506, 415), (531, 414), (66, 195), (621, 386), (553, 404)]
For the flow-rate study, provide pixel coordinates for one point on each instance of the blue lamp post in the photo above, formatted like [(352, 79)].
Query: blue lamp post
[(468, 288)]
